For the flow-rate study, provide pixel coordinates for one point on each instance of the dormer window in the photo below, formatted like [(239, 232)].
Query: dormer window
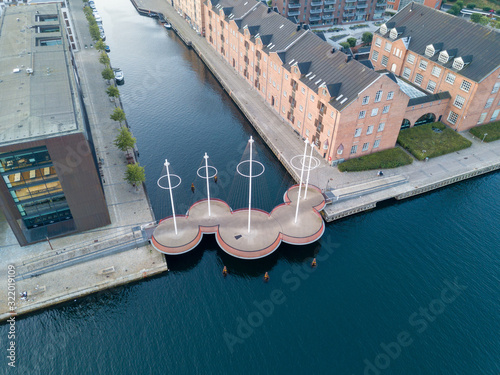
[(443, 57), (383, 29), (429, 50), (393, 34), (458, 63)]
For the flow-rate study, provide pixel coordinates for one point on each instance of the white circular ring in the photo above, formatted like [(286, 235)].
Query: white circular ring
[(306, 167), (199, 175), (167, 188), (248, 161)]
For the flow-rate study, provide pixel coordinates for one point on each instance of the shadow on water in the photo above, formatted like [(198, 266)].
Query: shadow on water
[(241, 267)]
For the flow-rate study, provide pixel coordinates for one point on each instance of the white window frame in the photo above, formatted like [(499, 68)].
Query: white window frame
[(381, 127), (418, 77), (385, 60), (365, 146), (375, 56), (362, 114), (388, 47), (378, 96), (450, 78), (366, 100), (390, 95), (357, 132), (436, 71), (411, 59), (407, 73), (423, 65), (378, 42), (374, 112), (354, 149), (496, 87), (489, 102), (465, 86), (452, 117), (386, 108), (376, 143), (431, 86), (369, 130), (459, 101), (482, 117)]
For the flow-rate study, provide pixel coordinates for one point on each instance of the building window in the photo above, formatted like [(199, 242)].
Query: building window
[(378, 42), (495, 115), (284, 94), (429, 50), (436, 71), (374, 112), (369, 130), (357, 133), (450, 78), (411, 58), (365, 146), (496, 88), (381, 127), (312, 98), (301, 109), (375, 55), (386, 108), (354, 149), (443, 57), (303, 90), (298, 124), (393, 34), (406, 73), (418, 79), (378, 96), (388, 46), (390, 95), (423, 65), (366, 99), (376, 143), (283, 109), (466, 85), (307, 132), (452, 117), (309, 116), (362, 114), (431, 86), (385, 60), (489, 102), (482, 117), (458, 64), (459, 101), (286, 76)]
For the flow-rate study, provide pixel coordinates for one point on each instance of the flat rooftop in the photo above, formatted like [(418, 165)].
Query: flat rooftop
[(37, 87)]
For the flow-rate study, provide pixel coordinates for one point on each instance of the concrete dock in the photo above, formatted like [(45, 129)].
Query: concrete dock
[(416, 178), (73, 266)]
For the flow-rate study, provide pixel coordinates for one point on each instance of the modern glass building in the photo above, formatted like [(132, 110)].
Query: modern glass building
[(50, 184)]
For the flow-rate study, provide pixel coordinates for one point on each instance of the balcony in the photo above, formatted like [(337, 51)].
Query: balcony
[(348, 15), (294, 5), (350, 1), (328, 10), (316, 11), (360, 14), (330, 2), (316, 3), (294, 13), (350, 7), (361, 5), (327, 16), (314, 18)]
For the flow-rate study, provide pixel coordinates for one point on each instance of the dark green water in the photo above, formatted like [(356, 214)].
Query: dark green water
[(380, 295)]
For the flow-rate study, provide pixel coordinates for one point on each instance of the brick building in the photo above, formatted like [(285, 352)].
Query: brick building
[(441, 53), (318, 13), (191, 10), (342, 105), (400, 4)]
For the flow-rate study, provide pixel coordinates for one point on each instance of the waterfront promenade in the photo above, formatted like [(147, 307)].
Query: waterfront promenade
[(70, 267), (365, 189)]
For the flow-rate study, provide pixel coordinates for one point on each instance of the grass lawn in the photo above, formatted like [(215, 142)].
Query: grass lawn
[(480, 4), (395, 157), (423, 141), (492, 129)]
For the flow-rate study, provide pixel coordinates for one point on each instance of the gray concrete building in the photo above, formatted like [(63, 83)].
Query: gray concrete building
[(50, 183)]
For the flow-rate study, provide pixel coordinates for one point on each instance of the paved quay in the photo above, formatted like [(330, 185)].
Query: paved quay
[(364, 192), (73, 266)]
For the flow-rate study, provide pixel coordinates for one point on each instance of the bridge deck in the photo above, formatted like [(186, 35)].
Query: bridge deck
[(267, 230)]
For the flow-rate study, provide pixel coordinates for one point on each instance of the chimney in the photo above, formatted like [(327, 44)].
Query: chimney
[(348, 58), (268, 10), (333, 50), (298, 27)]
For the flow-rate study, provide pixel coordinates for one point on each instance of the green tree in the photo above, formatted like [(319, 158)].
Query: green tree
[(498, 12), (475, 17), (118, 115), (100, 45), (345, 45), (367, 37), (471, 6), (455, 10), (124, 140), (113, 92), (486, 9), (104, 59), (351, 41), (108, 74), (270, 3), (94, 32), (135, 175), (460, 3), (484, 20)]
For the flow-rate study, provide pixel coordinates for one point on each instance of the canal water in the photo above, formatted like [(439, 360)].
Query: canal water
[(409, 288)]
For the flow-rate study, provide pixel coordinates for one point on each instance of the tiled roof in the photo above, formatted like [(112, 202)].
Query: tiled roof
[(319, 66), (475, 43)]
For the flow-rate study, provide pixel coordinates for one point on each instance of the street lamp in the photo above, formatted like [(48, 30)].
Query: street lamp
[(485, 134)]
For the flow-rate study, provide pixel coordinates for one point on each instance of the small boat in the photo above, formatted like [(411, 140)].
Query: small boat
[(167, 25), (119, 75)]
